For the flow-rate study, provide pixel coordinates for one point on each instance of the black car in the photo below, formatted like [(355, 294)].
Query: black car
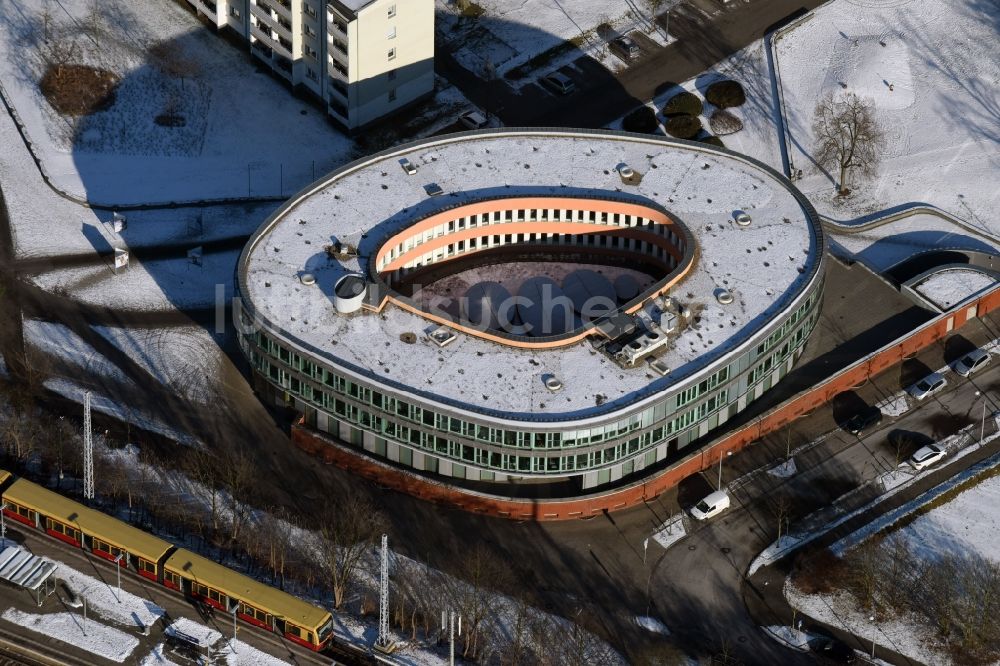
[(831, 649), (867, 418)]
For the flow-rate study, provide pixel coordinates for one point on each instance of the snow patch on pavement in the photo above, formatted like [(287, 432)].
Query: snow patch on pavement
[(72, 629), (652, 624), (107, 600)]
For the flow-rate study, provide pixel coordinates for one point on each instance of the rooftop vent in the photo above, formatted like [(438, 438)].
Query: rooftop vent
[(409, 167), (307, 279), (659, 367), (433, 189), (724, 296), (442, 336), (743, 219), (552, 383)]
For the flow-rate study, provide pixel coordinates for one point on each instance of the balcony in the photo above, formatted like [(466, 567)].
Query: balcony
[(338, 86), (340, 69), (261, 49), (267, 17), (279, 7), (340, 46)]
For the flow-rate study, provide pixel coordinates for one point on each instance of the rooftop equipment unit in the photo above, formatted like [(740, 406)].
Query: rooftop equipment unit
[(349, 293)]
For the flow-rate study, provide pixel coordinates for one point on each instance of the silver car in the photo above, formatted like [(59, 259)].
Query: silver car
[(927, 386), (971, 362)]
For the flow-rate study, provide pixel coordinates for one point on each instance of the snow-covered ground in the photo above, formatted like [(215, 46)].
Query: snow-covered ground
[(505, 37), (120, 155), (884, 246), (156, 285), (927, 67), (107, 601), (156, 657), (947, 289), (115, 408), (968, 523), (652, 624), (73, 629), (842, 610), (671, 531), (185, 360), (793, 638)]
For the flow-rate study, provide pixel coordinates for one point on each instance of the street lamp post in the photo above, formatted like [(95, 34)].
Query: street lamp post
[(982, 425), (728, 453), (3, 523), (871, 618)]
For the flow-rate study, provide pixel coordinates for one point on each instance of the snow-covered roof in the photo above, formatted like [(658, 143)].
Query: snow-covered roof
[(765, 265)]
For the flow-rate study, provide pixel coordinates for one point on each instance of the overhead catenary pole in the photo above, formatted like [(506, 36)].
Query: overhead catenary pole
[(88, 450), (383, 640)]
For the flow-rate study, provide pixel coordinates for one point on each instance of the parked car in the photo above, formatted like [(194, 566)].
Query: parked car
[(711, 506), (473, 120), (625, 48), (926, 456), (929, 385), (832, 649), (971, 362), (869, 417), (559, 83)]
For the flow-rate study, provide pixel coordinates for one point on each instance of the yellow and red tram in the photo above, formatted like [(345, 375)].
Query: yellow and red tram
[(194, 576)]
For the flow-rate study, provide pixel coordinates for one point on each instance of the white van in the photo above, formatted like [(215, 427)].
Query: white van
[(711, 506)]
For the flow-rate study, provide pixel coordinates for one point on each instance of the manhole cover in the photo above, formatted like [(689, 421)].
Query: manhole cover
[(692, 547), (726, 550)]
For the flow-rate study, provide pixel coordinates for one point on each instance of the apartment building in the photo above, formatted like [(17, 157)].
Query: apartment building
[(364, 59)]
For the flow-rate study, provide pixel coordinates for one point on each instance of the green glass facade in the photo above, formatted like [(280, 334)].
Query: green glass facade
[(434, 437)]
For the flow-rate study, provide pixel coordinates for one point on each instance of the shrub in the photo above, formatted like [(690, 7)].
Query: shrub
[(683, 127), (470, 9), (724, 122), (684, 103), (725, 94), (641, 120), (713, 141)]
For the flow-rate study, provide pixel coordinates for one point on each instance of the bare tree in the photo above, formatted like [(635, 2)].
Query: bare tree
[(482, 572), (847, 136), (344, 540)]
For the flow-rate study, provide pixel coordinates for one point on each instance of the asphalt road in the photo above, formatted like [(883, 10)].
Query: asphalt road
[(707, 31)]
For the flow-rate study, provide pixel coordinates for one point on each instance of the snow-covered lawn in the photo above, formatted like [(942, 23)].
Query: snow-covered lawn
[(947, 289), (121, 155), (842, 610), (185, 360), (927, 67), (72, 629), (969, 523), (60, 342), (115, 408), (156, 285)]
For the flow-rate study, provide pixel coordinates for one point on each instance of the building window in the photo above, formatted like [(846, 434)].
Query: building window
[(392, 54), (309, 31), (310, 74), (392, 95), (391, 33), (392, 11), (311, 52), (234, 12), (391, 75), (309, 10)]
